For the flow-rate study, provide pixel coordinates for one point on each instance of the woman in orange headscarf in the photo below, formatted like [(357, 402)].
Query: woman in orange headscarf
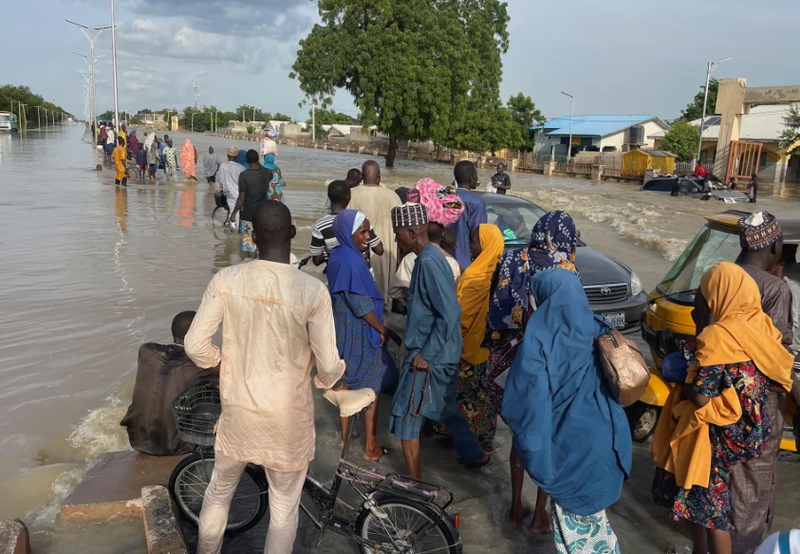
[(189, 160), (474, 288), (718, 417)]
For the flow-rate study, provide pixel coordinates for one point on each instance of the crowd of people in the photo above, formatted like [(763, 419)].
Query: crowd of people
[(492, 334)]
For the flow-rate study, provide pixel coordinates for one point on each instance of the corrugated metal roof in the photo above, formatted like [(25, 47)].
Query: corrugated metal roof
[(592, 125), (763, 123)]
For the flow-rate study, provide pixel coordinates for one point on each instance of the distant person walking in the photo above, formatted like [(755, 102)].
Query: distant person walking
[(152, 147), (254, 187), (210, 166), (171, 160), (189, 160), (277, 184), (141, 162), (376, 201), (752, 189), (228, 180), (501, 180), (120, 156), (700, 171)]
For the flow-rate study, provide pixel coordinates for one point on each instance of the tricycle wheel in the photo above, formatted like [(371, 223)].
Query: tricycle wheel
[(642, 419)]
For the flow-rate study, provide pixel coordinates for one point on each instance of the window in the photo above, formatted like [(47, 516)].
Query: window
[(689, 187), (708, 248), (659, 185)]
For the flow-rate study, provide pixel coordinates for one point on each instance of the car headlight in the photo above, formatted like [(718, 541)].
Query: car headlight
[(636, 284)]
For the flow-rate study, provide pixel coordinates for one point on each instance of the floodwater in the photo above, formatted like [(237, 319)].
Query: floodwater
[(90, 271)]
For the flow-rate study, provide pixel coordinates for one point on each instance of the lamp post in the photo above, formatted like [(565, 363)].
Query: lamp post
[(38, 118), (571, 116), (711, 67), (92, 41), (113, 28)]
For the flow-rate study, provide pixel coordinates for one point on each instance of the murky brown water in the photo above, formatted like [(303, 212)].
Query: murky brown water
[(90, 271)]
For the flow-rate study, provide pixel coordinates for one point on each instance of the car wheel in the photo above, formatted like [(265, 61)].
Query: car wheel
[(642, 419)]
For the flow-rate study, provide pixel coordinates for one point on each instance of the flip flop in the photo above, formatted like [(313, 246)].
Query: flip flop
[(384, 452)]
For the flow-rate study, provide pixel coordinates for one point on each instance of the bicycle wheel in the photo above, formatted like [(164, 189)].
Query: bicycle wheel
[(189, 482), (408, 527), (220, 215)]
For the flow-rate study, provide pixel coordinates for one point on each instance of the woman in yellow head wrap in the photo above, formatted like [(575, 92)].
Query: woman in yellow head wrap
[(474, 288), (718, 418)]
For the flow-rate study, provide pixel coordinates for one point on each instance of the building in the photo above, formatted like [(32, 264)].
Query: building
[(598, 133), (764, 124)]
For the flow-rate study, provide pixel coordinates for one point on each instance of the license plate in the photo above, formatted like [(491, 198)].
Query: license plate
[(617, 320)]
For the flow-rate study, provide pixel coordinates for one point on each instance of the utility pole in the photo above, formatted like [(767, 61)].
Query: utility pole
[(254, 118), (711, 67), (196, 86), (92, 41), (571, 116), (39, 118), (114, 64), (314, 123)]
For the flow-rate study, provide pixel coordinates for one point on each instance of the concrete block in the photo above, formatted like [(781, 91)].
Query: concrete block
[(597, 172), (112, 488), (14, 537), (549, 167), (161, 529)]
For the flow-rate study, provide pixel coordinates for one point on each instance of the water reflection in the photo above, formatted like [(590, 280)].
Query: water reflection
[(186, 207), (121, 209)]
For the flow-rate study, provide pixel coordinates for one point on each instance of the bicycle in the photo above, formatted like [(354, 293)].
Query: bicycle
[(221, 210), (397, 514)]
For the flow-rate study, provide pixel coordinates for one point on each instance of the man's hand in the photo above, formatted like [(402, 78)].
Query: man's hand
[(340, 385), (418, 363)]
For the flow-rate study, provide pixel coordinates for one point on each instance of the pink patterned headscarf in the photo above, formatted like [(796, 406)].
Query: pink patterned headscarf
[(443, 204)]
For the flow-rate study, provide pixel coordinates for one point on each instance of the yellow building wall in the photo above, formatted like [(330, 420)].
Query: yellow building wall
[(637, 162)]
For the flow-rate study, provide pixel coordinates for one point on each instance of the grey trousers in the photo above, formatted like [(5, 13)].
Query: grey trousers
[(754, 487)]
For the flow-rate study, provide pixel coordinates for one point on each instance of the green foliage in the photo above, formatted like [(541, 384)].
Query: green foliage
[(248, 111), (417, 69), (791, 135), (330, 117), (280, 117), (10, 95), (488, 131), (525, 114), (682, 140), (250, 129), (695, 109)]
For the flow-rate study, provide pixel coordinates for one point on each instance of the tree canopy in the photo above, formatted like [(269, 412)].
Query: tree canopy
[(681, 140), (417, 69), (525, 114), (695, 109), (11, 94), (791, 135)]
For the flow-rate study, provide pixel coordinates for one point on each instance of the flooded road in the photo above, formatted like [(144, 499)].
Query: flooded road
[(90, 271)]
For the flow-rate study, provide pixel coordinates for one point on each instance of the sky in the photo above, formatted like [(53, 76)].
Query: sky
[(615, 57)]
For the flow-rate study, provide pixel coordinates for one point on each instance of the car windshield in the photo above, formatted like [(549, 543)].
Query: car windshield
[(5, 117), (709, 247), (515, 220)]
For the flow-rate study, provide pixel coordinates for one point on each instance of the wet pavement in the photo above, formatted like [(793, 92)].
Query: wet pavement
[(90, 271)]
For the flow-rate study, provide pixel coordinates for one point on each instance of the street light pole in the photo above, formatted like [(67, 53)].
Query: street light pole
[(39, 118), (114, 64), (92, 41), (571, 117), (711, 67)]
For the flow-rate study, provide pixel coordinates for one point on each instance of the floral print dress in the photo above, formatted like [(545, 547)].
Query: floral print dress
[(731, 444)]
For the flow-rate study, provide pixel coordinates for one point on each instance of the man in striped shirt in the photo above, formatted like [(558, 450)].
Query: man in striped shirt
[(322, 237)]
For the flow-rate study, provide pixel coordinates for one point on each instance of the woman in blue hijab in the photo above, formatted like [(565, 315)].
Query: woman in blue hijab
[(553, 244), (572, 436), (276, 187), (241, 159), (358, 313)]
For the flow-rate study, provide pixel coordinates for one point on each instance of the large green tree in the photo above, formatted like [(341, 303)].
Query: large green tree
[(695, 109), (525, 114), (791, 134), (681, 140), (416, 69)]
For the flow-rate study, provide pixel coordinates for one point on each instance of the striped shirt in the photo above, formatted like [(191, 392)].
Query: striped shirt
[(323, 240)]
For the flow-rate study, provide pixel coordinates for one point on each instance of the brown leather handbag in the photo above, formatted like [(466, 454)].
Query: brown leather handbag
[(623, 364)]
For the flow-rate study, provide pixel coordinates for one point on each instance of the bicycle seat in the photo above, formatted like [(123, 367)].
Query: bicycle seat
[(351, 402)]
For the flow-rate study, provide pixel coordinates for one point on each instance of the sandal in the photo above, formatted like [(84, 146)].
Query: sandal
[(476, 465)]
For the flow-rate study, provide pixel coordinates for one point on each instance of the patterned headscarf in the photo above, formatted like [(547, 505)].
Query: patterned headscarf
[(553, 245), (443, 204), (409, 215)]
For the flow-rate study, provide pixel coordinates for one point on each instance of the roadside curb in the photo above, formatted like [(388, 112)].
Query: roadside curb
[(161, 529)]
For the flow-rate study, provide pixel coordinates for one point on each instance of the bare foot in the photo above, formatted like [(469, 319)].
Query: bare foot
[(541, 523), (376, 454), (518, 515)]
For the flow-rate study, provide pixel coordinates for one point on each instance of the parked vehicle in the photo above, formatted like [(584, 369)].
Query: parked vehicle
[(667, 323), (694, 187), (8, 122), (614, 290)]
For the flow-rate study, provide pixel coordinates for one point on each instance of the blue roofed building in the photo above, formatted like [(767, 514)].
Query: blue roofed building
[(598, 133)]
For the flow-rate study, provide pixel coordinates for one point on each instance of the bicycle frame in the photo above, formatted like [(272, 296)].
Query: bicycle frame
[(368, 483)]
